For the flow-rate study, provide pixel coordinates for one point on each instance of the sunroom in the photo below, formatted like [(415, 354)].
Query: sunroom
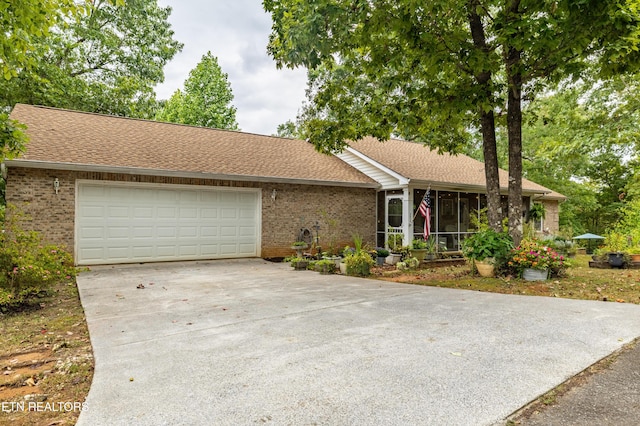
[(456, 185)]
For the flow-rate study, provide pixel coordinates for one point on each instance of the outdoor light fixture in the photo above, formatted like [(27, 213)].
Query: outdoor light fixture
[(56, 185), (274, 194)]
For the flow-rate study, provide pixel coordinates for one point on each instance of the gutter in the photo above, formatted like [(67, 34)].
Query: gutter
[(76, 167)]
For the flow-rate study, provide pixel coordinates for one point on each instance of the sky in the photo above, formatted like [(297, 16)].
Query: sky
[(237, 33)]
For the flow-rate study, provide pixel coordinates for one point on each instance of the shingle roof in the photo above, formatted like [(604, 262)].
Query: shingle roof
[(79, 138), (419, 163)]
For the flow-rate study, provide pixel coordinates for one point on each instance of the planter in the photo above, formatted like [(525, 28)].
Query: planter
[(301, 265), (418, 254), (343, 268), (530, 274), (635, 257), (380, 260), (484, 269), (616, 259), (430, 256), (299, 249), (335, 259), (393, 258)]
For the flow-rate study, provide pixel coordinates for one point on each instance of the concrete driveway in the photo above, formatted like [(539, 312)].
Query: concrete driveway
[(247, 342)]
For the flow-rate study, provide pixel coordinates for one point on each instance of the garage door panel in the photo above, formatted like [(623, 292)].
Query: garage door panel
[(120, 223)]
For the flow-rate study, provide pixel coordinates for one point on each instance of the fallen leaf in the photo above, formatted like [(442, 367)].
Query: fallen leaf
[(456, 353), (131, 379), (140, 286)]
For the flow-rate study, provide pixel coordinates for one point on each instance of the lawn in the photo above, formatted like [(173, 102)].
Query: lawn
[(581, 282)]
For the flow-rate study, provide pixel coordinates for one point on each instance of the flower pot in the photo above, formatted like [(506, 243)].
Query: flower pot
[(530, 274), (299, 249), (635, 257), (335, 259), (301, 265), (380, 260), (418, 254), (616, 259), (484, 269), (393, 258), (343, 268)]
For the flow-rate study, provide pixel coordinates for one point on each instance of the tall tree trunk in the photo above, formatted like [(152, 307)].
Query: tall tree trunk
[(514, 133), (487, 123), (492, 177)]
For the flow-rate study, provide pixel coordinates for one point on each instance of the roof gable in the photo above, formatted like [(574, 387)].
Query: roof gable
[(66, 138)]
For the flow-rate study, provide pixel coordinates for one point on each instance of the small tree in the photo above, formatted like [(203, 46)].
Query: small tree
[(206, 99)]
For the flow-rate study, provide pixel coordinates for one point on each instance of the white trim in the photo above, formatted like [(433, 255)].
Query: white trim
[(33, 164), (402, 180), (257, 191)]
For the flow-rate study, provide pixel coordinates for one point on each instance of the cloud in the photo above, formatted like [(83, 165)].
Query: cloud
[(236, 33)]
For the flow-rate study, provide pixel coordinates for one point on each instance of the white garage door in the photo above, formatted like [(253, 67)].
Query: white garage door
[(130, 223)]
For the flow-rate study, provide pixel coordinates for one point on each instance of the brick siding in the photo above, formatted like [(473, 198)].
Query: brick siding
[(295, 206)]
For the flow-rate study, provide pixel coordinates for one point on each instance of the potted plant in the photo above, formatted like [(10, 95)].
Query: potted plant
[(432, 248), (418, 249), (381, 255), (325, 266), (485, 249), (358, 261), (534, 260), (299, 263), (394, 242), (614, 245), (299, 246)]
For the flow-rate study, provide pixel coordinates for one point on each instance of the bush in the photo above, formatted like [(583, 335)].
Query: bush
[(28, 267), (486, 245)]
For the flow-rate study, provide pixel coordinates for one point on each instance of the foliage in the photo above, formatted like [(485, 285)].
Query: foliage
[(27, 265), (326, 266), (106, 60), (297, 262), (409, 263), (206, 100), (614, 242), (12, 137), (394, 242), (537, 212), (359, 263), (418, 244), (487, 244), (382, 252), (534, 254), (581, 140)]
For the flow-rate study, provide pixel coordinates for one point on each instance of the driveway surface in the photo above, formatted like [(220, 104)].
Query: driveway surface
[(247, 342)]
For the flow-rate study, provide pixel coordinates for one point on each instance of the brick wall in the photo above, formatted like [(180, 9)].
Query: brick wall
[(295, 206), (552, 216)]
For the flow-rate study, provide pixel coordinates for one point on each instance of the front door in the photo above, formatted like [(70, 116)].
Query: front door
[(394, 215)]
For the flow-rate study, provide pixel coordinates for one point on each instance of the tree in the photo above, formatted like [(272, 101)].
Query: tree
[(206, 100), (21, 22), (437, 70), (583, 140), (106, 60)]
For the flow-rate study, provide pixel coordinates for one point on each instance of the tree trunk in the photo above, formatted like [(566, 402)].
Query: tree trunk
[(514, 133), (487, 123), (490, 153)]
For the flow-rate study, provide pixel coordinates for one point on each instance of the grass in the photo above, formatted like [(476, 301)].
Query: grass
[(46, 361), (581, 282)]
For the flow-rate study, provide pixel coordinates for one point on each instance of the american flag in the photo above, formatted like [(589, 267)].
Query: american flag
[(425, 211)]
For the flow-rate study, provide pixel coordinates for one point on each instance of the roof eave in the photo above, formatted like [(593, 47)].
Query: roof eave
[(469, 187), (35, 164)]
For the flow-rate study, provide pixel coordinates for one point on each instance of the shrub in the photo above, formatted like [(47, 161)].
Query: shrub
[(27, 266), (487, 244)]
